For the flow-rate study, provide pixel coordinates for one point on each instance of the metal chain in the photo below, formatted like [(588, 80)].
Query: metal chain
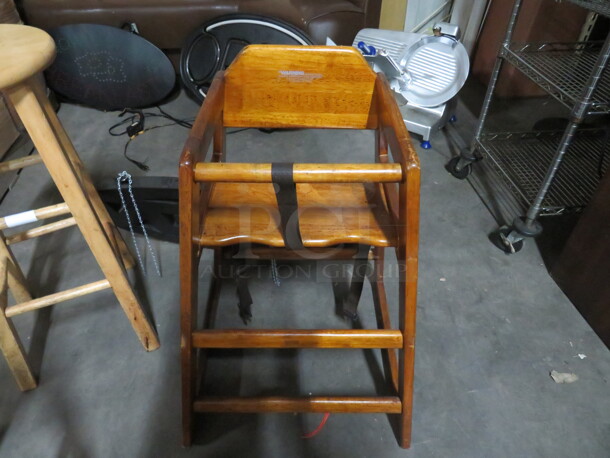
[(274, 272), (124, 176)]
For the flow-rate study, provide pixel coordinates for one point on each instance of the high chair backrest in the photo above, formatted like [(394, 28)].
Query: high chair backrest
[(298, 86)]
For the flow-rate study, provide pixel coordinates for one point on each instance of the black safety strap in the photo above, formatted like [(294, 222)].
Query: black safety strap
[(244, 299), (287, 204), (361, 264)]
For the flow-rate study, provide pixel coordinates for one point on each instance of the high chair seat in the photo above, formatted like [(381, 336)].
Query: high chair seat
[(329, 214)]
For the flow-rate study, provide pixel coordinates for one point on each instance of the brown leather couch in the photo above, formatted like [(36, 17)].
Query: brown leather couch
[(167, 23)]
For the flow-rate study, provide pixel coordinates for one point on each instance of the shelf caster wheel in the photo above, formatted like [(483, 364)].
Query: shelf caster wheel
[(453, 119), (452, 168), (507, 239), (425, 144)]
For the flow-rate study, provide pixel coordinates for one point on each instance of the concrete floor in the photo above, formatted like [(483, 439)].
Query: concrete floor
[(490, 329)]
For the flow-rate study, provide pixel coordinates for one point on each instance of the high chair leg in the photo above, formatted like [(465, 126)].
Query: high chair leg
[(189, 261), (390, 360), (407, 304)]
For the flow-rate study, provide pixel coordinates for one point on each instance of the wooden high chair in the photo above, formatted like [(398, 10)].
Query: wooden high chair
[(287, 211)]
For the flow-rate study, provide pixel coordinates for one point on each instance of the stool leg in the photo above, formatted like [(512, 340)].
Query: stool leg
[(45, 131), (82, 174), (9, 340), (15, 278)]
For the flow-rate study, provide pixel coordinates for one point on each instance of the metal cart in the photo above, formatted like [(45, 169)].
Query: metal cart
[(548, 171)]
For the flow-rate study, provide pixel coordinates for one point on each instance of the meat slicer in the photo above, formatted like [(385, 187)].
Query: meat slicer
[(425, 72)]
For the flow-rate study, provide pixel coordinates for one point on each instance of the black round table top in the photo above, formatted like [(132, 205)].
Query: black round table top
[(108, 68)]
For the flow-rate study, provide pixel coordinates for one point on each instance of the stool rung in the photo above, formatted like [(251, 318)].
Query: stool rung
[(31, 216), (20, 163), (297, 338), (319, 404), (42, 230), (55, 298)]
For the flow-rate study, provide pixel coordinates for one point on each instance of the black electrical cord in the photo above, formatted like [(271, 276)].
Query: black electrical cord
[(180, 122), (141, 165), (134, 126), (137, 120)]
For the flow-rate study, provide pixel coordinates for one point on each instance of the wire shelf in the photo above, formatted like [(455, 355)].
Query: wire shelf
[(597, 6), (522, 159), (563, 69)]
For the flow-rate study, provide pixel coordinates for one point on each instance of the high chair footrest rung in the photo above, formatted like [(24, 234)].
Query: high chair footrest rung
[(297, 338), (319, 404)]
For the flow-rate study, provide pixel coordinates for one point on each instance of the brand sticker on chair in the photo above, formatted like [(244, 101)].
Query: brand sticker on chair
[(299, 76)]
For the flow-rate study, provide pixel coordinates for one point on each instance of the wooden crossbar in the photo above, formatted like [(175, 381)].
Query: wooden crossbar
[(20, 163), (320, 404), (56, 298), (42, 230), (31, 216), (297, 338), (302, 173)]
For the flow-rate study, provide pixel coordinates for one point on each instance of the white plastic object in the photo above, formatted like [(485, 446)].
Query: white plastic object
[(19, 219)]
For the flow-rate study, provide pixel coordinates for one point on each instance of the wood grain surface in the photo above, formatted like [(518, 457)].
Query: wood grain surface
[(298, 86), (301, 338), (24, 52)]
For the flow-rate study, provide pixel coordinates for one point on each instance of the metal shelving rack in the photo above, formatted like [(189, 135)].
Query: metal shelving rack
[(562, 70), (548, 171)]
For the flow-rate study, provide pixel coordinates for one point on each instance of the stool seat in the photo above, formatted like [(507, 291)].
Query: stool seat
[(24, 52), (329, 214)]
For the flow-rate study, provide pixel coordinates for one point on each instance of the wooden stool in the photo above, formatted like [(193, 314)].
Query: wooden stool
[(291, 211), (24, 53)]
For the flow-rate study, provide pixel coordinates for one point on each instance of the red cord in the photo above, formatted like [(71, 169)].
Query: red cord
[(318, 429)]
